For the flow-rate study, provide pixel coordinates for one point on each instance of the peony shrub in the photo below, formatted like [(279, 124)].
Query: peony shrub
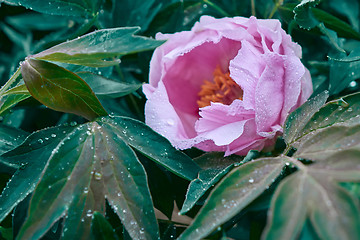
[(227, 85)]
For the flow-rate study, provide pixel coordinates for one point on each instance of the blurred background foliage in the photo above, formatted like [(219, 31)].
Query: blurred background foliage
[(327, 30)]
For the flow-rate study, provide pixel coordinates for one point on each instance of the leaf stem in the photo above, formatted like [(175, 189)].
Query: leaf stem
[(273, 11), (135, 105), (8, 84), (295, 162), (217, 8), (287, 150)]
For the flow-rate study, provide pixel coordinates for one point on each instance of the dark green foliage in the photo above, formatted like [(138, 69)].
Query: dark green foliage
[(93, 170)]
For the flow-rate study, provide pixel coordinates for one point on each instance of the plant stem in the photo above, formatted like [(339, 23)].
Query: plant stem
[(217, 8), (253, 8), (8, 84), (135, 105), (273, 11)]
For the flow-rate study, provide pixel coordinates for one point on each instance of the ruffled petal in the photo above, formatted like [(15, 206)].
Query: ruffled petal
[(306, 88), (294, 71), (269, 93), (221, 124), (248, 140), (245, 69)]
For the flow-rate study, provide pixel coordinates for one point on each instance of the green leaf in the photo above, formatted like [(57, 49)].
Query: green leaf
[(60, 89), (335, 111), (296, 121), (82, 8), (101, 228), (338, 217), (348, 8), (96, 48), (354, 56), (30, 158), (145, 140), (104, 87), (334, 149), (309, 17), (341, 166), (332, 211), (216, 167), (322, 143), (332, 37), (331, 142), (8, 102), (10, 138), (6, 233), (235, 191), (37, 21), (90, 164), (303, 14), (132, 13), (343, 71), (342, 28), (286, 216), (20, 89)]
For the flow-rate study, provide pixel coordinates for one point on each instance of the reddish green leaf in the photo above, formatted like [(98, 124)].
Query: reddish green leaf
[(287, 214), (60, 89), (296, 121), (323, 143), (235, 191), (333, 212)]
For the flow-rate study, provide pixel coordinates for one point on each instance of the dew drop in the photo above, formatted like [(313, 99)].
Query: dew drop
[(353, 84), (97, 176), (89, 213), (170, 122)]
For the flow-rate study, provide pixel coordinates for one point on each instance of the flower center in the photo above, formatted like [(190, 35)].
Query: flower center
[(222, 89)]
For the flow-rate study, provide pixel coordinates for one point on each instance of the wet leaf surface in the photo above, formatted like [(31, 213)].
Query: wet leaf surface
[(235, 191), (300, 117), (60, 89), (90, 164), (145, 140), (104, 87), (83, 8), (333, 212), (96, 48)]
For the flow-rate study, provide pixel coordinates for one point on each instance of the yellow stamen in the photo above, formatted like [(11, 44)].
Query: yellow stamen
[(222, 89)]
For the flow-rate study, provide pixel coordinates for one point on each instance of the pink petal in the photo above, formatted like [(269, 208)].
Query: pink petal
[(185, 75), (269, 93), (245, 69), (166, 121), (218, 119), (294, 71)]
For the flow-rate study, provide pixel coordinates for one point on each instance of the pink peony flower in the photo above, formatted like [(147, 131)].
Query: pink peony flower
[(226, 85)]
